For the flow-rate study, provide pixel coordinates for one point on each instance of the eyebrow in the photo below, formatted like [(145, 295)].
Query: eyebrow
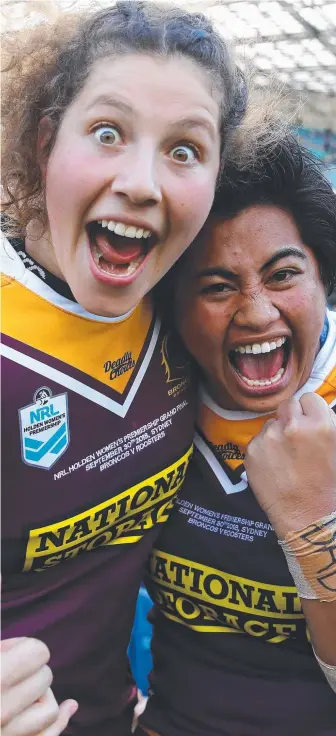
[(110, 102), (284, 253), (227, 274), (196, 122), (187, 123), (218, 271)]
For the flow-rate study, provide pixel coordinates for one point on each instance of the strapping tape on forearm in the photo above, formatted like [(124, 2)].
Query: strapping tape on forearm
[(329, 672), (311, 559)]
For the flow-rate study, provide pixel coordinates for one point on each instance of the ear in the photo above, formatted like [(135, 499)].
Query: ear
[(45, 131)]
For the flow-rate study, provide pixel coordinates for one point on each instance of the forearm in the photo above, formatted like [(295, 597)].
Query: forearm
[(291, 467), (310, 555), (321, 621)]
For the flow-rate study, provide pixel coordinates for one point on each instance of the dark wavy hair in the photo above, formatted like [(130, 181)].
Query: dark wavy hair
[(48, 65), (271, 168), (287, 175)]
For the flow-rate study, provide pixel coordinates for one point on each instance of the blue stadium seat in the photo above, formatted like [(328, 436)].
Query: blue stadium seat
[(323, 145)]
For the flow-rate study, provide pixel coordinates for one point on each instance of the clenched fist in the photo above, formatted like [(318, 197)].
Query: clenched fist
[(291, 464), (28, 706)]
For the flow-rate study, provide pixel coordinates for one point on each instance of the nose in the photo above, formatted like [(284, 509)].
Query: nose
[(256, 312), (137, 177)]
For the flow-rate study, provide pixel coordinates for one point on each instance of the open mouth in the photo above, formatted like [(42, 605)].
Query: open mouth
[(118, 251), (261, 366)]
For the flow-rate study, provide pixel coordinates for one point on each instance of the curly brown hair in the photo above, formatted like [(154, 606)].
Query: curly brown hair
[(47, 66)]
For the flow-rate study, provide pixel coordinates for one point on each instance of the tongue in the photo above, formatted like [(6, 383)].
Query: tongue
[(261, 366), (123, 250)]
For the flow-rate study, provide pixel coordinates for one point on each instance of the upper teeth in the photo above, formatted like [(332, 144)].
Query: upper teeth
[(263, 347), (129, 231)]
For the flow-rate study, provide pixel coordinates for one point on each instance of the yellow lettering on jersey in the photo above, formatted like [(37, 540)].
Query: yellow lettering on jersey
[(122, 519), (227, 591), (212, 601)]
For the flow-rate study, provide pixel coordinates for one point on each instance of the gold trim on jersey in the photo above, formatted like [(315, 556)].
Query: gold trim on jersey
[(229, 438), (104, 351)]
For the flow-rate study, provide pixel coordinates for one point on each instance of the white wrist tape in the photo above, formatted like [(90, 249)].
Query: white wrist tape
[(329, 672), (304, 589), (311, 559)]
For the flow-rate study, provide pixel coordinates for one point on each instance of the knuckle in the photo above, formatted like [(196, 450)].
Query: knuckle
[(8, 677), (271, 432), (47, 675), (5, 715), (50, 711), (39, 649), (53, 712), (291, 430), (5, 680), (251, 448), (323, 430)]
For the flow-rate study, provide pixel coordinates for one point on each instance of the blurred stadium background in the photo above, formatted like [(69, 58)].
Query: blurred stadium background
[(291, 41)]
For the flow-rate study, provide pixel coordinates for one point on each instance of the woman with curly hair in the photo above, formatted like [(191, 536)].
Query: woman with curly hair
[(115, 128)]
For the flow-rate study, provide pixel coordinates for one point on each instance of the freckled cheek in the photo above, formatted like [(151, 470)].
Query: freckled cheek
[(305, 311), (304, 306)]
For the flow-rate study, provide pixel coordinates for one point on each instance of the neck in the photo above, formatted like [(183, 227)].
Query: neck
[(219, 395), (40, 248)]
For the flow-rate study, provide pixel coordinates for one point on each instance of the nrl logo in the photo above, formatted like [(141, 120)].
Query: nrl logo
[(44, 428)]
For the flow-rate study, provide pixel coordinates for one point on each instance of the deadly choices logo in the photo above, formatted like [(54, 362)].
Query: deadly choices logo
[(44, 428)]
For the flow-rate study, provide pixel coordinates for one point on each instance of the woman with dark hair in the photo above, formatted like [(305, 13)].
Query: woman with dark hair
[(115, 127), (243, 576)]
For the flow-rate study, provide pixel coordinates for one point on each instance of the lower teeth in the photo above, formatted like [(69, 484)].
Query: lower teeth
[(265, 382), (119, 270)]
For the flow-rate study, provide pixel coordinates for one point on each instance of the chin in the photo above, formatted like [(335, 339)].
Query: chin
[(115, 304), (262, 404)]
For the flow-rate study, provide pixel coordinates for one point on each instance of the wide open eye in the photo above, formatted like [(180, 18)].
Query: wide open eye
[(108, 135), (184, 154)]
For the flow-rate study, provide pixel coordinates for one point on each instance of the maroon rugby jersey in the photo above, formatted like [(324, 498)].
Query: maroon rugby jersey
[(97, 425), (231, 649)]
